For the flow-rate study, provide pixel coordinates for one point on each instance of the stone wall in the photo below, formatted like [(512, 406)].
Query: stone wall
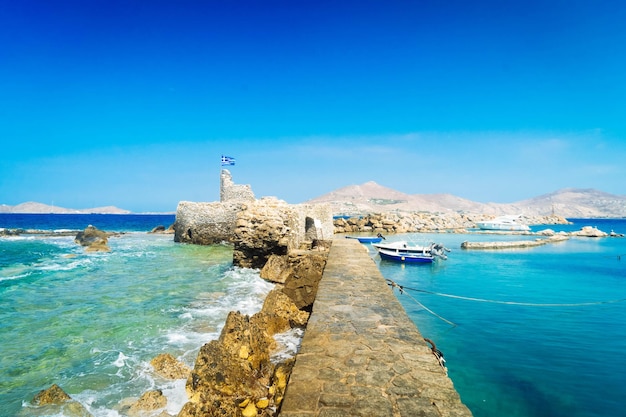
[(205, 223), (270, 226), (230, 192)]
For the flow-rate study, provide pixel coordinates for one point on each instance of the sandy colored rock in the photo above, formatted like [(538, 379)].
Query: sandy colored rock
[(149, 401), (168, 367)]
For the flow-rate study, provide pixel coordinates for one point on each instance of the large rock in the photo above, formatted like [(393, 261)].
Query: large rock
[(265, 227), (234, 376), (304, 277), (168, 367), (234, 368), (149, 402), (93, 239), (55, 401)]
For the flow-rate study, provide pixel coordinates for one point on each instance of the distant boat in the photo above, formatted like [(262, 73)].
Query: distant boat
[(367, 239), (402, 252), (508, 223)]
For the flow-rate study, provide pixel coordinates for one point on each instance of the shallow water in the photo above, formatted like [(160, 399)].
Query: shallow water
[(91, 322)]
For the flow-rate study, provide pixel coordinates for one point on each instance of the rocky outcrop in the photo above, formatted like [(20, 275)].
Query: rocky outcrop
[(513, 244), (55, 401), (93, 239), (162, 230), (234, 375), (270, 226), (299, 272), (589, 231), (389, 223), (166, 366), (149, 402)]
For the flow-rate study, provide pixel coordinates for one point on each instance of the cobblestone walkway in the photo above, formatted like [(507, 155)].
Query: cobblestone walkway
[(361, 355)]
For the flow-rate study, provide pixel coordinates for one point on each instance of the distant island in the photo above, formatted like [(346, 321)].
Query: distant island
[(371, 197), (40, 208)]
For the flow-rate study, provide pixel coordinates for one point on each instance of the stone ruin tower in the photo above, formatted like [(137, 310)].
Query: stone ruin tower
[(231, 192)]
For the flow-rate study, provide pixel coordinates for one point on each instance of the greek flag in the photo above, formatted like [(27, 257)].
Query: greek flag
[(228, 160)]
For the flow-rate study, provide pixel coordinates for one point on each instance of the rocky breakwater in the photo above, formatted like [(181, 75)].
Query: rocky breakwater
[(236, 375), (424, 222)]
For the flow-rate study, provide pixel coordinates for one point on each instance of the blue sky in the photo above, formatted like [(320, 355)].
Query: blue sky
[(132, 103)]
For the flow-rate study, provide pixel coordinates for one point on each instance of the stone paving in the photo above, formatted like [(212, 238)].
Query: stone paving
[(361, 355)]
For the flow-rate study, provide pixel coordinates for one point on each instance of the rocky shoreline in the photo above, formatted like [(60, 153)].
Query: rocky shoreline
[(233, 375)]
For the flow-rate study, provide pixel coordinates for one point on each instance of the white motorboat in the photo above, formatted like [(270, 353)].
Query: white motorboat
[(508, 223)]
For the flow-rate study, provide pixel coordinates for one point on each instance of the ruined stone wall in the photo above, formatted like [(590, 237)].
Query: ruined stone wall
[(231, 192), (270, 226), (205, 223)]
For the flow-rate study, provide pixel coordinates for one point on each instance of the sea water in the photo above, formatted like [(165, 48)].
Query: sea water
[(526, 332), (91, 322)]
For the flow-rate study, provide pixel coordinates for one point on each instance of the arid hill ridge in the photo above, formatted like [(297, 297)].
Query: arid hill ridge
[(371, 197), (40, 208)]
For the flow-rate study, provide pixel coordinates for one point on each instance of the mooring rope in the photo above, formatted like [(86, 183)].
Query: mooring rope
[(403, 289)]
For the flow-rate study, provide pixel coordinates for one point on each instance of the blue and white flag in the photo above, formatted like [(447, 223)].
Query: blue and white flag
[(228, 160)]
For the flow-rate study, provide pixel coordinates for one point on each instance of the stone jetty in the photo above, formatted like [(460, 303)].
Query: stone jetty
[(361, 355)]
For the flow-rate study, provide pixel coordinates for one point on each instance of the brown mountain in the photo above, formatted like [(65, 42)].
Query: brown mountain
[(371, 197)]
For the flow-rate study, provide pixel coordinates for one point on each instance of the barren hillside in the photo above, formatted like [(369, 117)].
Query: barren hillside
[(372, 198)]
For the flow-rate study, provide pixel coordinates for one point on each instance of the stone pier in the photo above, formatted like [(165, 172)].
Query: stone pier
[(361, 355)]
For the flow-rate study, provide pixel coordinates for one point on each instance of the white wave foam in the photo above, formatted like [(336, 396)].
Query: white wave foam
[(121, 360), (288, 344)]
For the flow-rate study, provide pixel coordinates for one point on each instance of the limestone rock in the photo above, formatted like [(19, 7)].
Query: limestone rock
[(280, 313), (162, 230), (168, 367), (149, 401), (589, 231), (55, 401), (276, 269), (301, 285), (52, 395), (264, 228), (93, 238)]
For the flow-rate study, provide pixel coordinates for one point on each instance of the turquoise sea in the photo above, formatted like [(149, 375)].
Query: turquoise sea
[(91, 322), (537, 332)]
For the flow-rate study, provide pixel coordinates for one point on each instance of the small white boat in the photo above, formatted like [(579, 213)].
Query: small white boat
[(508, 223), (403, 252)]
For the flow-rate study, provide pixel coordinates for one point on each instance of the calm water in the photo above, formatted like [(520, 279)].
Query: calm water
[(92, 322), (523, 360)]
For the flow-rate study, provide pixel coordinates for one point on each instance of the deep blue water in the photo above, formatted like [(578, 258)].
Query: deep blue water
[(107, 222)]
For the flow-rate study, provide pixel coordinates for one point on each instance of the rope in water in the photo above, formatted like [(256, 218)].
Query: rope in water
[(484, 300)]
